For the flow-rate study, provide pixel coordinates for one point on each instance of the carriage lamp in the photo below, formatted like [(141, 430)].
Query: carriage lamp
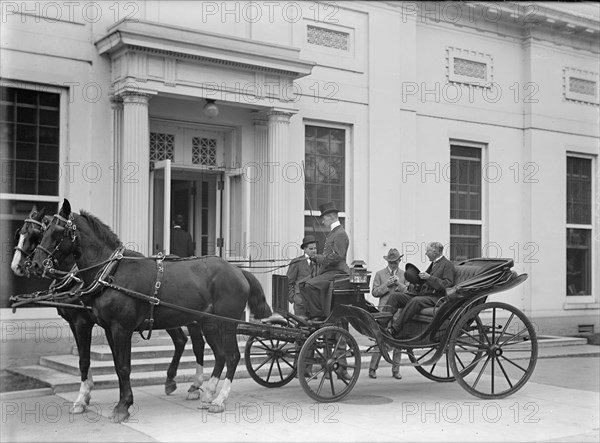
[(358, 272)]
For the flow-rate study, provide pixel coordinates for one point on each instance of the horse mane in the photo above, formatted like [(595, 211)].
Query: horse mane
[(101, 229)]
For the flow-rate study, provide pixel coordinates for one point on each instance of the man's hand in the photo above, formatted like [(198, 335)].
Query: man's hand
[(424, 275), (392, 281)]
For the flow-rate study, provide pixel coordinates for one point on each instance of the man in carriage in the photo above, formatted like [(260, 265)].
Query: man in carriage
[(331, 262), (431, 286)]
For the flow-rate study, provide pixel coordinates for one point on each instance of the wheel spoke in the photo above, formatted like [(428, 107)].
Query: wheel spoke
[(504, 372), (512, 315)]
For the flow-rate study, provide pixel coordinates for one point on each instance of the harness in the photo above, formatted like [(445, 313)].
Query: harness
[(104, 277)]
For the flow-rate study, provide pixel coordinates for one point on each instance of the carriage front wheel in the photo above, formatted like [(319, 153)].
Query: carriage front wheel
[(507, 350), (271, 362), (329, 364)]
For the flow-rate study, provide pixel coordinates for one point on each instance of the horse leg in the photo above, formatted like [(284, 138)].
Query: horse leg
[(82, 324), (179, 340), (119, 340), (198, 345), (211, 333), (232, 357)]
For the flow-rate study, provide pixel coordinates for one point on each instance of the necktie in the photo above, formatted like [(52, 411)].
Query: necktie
[(312, 268), (429, 268)]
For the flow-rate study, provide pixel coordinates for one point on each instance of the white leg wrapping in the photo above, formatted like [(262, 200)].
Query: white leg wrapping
[(84, 396), (218, 404), (209, 393)]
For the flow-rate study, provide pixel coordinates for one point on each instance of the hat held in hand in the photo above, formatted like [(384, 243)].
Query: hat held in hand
[(411, 274)]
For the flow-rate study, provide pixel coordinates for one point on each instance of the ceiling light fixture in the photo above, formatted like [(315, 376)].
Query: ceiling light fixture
[(210, 108)]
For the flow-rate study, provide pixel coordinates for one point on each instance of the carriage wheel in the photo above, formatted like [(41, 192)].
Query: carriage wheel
[(330, 359), (271, 362), (508, 350), (440, 371)]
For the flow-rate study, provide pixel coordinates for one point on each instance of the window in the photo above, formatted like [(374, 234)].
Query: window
[(579, 226), (29, 155), (324, 169), (465, 202)]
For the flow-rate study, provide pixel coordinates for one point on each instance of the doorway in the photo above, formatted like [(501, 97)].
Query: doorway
[(196, 195)]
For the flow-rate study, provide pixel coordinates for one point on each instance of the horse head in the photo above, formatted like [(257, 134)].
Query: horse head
[(28, 237), (59, 246)]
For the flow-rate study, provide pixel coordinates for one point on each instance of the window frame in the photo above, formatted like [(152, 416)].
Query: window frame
[(482, 221), (587, 298), (307, 213), (62, 139)]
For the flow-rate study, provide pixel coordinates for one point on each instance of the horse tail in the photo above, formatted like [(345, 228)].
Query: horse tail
[(257, 300)]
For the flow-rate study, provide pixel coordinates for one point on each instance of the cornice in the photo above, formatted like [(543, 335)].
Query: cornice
[(190, 44)]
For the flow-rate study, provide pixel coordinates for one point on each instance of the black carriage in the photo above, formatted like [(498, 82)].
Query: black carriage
[(490, 348)]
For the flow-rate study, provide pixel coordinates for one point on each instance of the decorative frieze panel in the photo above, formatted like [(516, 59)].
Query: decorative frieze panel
[(580, 86), (328, 38), (469, 67)]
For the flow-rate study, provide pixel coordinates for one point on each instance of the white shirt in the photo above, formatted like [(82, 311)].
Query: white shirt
[(334, 225)]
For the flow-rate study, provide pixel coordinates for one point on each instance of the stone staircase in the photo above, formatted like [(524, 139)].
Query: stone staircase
[(149, 362), (151, 358)]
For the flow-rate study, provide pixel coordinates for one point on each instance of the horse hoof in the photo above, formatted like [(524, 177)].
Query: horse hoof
[(170, 386), (194, 394), (77, 408), (204, 405), (119, 417), (216, 409)]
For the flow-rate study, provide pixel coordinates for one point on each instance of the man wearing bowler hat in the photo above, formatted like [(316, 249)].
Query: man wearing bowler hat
[(301, 269), (432, 286), (331, 263), (387, 282)]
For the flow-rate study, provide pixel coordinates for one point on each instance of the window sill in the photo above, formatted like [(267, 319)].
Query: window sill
[(572, 306)]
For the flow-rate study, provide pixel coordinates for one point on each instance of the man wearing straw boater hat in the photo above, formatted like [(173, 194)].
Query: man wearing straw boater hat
[(331, 263), (387, 282), (301, 269)]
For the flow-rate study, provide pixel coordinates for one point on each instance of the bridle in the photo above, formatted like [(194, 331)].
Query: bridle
[(50, 264), (27, 256)]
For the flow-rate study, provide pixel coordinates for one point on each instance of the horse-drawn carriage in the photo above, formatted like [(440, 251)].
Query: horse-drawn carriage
[(490, 348)]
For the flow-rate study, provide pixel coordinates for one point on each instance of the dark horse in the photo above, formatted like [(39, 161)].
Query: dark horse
[(133, 291), (81, 321)]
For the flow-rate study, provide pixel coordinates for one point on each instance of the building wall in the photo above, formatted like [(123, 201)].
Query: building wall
[(391, 94)]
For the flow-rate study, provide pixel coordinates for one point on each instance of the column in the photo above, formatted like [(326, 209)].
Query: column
[(277, 187), (134, 168), (117, 108), (260, 201)]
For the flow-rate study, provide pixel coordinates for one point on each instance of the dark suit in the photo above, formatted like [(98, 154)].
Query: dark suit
[(299, 271), (181, 243), (331, 263), (442, 275)]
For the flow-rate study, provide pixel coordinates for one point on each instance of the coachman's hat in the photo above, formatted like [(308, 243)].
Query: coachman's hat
[(328, 207), (411, 274), (393, 255), (308, 240)]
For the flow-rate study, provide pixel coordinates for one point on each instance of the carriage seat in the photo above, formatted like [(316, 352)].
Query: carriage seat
[(341, 291), (463, 273)]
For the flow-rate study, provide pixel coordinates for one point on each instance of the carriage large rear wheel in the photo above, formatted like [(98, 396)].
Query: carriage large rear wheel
[(508, 350), (271, 362), (330, 363), (441, 371)]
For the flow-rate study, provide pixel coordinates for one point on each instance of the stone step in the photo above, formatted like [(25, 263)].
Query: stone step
[(103, 352)]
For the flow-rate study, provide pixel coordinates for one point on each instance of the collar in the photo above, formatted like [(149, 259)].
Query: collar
[(176, 227), (437, 259), (392, 272), (335, 224)]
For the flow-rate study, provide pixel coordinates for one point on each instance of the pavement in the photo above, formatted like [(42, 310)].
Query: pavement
[(561, 402)]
